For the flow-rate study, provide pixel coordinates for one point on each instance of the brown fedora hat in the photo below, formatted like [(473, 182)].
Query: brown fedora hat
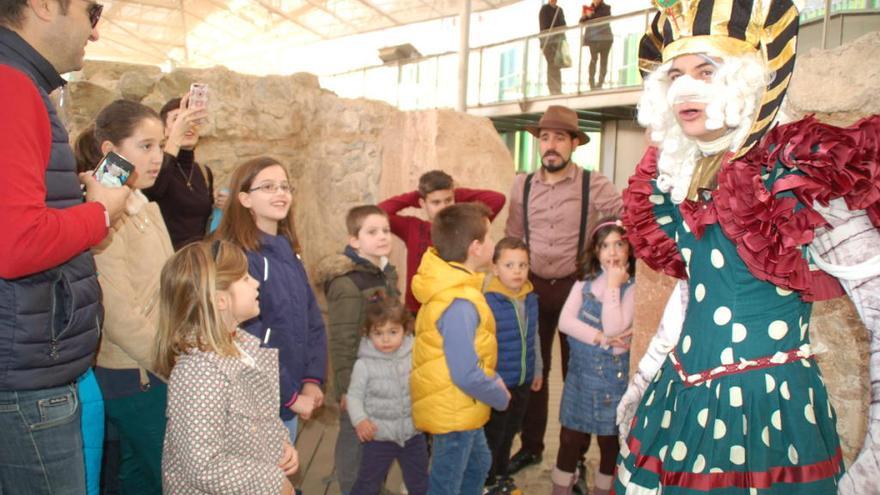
[(559, 118)]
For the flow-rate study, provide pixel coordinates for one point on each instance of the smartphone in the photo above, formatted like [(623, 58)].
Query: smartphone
[(114, 171), (198, 95)]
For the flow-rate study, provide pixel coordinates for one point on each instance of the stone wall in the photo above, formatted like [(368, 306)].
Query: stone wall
[(339, 152)]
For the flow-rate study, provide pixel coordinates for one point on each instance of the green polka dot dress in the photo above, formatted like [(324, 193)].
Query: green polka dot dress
[(739, 406)]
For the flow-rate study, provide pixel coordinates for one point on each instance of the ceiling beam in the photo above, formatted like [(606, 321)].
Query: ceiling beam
[(329, 12), (290, 18), (140, 38), (110, 39), (369, 4), (144, 22), (147, 3)]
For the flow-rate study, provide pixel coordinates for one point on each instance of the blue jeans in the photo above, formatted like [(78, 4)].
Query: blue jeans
[(292, 425), (459, 464), (41, 451)]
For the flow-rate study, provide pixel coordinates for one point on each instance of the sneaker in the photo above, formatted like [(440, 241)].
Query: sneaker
[(521, 460)]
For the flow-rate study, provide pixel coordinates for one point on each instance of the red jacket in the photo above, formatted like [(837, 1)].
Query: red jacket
[(416, 233)]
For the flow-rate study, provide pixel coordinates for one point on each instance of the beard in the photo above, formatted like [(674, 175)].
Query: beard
[(554, 168)]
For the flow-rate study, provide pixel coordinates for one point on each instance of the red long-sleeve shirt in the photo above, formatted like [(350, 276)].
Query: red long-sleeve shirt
[(34, 237), (416, 233)]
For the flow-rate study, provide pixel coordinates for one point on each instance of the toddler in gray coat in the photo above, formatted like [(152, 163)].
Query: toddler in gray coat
[(379, 402)]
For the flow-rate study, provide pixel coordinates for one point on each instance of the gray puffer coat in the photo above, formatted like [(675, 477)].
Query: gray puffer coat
[(379, 391)]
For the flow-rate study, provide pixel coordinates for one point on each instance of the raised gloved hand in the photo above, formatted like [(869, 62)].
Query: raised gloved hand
[(663, 341)]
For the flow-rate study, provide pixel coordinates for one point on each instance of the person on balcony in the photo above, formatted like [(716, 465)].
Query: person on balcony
[(598, 38), (551, 16)]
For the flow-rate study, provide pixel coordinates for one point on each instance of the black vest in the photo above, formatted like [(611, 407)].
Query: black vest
[(49, 321)]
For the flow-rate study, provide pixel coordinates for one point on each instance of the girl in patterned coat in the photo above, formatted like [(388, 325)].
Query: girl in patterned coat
[(224, 435), (597, 317)]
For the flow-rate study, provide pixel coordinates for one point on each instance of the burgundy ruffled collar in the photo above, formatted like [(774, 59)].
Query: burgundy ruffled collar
[(769, 231)]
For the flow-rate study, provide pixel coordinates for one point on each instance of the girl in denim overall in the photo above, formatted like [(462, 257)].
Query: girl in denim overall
[(597, 317)]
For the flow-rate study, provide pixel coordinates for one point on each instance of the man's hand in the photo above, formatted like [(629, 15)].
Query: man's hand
[(220, 198), (287, 487), (537, 383), (366, 430), (313, 390), (188, 120), (113, 198), (289, 460), (303, 406)]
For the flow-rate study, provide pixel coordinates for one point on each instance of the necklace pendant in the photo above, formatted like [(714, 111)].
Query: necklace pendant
[(189, 185)]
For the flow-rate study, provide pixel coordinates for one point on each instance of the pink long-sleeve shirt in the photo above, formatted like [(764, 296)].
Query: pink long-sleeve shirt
[(617, 314)]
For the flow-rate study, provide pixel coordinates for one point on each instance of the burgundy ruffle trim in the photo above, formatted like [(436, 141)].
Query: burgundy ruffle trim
[(649, 242), (769, 234)]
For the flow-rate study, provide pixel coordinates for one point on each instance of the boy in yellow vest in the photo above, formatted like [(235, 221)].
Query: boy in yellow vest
[(453, 382)]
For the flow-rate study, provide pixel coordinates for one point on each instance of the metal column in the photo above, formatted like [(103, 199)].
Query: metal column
[(463, 55)]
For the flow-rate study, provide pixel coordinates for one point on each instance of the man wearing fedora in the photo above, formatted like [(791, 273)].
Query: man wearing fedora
[(551, 210)]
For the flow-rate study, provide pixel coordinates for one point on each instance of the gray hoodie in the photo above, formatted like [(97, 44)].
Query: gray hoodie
[(379, 391)]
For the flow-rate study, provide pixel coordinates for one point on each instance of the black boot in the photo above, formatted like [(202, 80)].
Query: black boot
[(521, 460)]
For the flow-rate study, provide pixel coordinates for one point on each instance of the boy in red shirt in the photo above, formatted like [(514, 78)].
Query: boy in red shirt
[(436, 191)]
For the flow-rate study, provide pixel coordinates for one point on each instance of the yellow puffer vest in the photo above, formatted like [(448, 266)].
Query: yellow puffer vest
[(438, 405)]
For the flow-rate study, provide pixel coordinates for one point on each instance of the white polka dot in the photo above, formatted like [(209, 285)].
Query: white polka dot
[(830, 412), (792, 454), (809, 413), (679, 451), (804, 328), (810, 393), (664, 220), (806, 363), (667, 418), (739, 333), (722, 315), (717, 259), (699, 464), (716, 470), (771, 383), (686, 344), (700, 292), (738, 455), (745, 426), (686, 254), (783, 292), (783, 391), (718, 391), (703, 416), (736, 396), (687, 228), (778, 329), (753, 490), (765, 436), (650, 399), (727, 356), (645, 423), (663, 453), (720, 429), (776, 420), (656, 199)]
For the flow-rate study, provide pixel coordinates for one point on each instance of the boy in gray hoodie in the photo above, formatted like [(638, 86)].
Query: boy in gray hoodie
[(379, 403)]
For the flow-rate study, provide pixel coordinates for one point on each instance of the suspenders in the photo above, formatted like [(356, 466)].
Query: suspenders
[(585, 208)]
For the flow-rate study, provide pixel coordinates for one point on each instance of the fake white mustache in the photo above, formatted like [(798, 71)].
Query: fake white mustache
[(686, 89)]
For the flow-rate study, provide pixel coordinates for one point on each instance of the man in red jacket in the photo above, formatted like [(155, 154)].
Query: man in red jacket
[(436, 191), (49, 293)]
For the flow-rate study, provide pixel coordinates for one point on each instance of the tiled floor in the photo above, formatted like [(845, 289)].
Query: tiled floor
[(318, 437)]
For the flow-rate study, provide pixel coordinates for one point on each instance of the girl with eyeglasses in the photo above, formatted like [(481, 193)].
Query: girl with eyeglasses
[(259, 219), (128, 264)]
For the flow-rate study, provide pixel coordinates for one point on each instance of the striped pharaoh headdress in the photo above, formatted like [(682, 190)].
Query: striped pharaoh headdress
[(722, 28)]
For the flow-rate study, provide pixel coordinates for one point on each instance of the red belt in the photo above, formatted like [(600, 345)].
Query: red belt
[(778, 359)]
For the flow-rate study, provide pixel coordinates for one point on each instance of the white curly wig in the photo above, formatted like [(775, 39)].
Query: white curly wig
[(738, 85)]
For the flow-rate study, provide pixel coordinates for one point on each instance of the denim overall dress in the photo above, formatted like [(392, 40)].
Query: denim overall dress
[(596, 378)]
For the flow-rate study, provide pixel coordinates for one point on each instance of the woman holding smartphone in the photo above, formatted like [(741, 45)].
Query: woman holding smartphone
[(129, 262)]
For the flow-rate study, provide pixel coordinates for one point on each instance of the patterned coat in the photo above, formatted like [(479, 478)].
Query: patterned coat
[(224, 434)]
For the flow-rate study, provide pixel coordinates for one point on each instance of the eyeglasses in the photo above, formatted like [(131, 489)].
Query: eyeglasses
[(273, 187), (95, 10)]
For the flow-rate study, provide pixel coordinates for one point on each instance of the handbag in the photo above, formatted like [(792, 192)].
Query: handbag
[(563, 54)]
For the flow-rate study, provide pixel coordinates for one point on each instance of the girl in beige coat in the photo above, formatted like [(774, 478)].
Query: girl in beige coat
[(224, 434), (128, 262)]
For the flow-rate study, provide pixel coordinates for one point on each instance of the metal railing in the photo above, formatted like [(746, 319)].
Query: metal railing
[(516, 70)]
